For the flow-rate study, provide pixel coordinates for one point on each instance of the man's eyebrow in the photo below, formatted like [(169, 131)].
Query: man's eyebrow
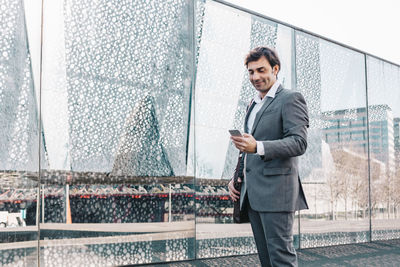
[(256, 68)]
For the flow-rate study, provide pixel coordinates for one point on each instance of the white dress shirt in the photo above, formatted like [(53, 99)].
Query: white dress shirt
[(259, 103)]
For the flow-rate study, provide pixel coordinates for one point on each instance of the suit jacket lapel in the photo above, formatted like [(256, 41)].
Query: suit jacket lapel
[(253, 103), (268, 102)]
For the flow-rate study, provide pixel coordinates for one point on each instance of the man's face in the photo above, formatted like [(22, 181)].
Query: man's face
[(262, 75)]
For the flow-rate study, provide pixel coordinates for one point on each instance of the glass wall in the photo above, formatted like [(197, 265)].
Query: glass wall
[(19, 141), (114, 132), (384, 146), (222, 94), (115, 109), (335, 166)]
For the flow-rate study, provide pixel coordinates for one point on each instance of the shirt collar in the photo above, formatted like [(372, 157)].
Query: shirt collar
[(271, 93)]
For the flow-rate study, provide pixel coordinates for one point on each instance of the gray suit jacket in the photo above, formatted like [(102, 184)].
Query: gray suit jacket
[(272, 182)]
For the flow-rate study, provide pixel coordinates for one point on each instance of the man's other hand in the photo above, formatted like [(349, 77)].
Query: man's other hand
[(234, 194), (245, 143)]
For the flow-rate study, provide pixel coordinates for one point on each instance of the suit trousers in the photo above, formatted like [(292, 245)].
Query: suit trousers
[(273, 233)]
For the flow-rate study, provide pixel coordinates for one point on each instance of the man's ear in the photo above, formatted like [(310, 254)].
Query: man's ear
[(276, 69)]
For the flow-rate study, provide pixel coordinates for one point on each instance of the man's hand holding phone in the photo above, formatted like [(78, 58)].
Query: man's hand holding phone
[(244, 142)]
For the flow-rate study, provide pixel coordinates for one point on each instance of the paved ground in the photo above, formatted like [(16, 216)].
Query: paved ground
[(379, 253)]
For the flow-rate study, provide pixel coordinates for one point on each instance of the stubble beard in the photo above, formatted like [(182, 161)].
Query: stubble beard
[(263, 91)]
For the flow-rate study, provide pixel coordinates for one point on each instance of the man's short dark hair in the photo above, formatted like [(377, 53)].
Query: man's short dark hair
[(258, 52)]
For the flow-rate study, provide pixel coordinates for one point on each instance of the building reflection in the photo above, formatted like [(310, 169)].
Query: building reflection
[(339, 189)]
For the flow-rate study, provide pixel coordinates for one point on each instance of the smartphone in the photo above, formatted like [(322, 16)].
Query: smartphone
[(235, 132)]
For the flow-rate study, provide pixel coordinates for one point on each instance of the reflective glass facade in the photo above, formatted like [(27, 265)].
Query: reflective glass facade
[(114, 133)]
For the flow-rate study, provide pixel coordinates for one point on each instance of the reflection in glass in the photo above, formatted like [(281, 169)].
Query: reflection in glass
[(223, 89), (19, 141), (116, 163), (384, 118), (124, 223), (218, 84), (334, 169), (115, 106), (222, 93)]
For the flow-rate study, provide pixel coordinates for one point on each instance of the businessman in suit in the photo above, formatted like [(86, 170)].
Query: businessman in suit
[(275, 135)]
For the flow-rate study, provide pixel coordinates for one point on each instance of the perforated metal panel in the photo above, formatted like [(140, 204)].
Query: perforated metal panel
[(19, 139), (128, 83), (309, 74), (18, 106)]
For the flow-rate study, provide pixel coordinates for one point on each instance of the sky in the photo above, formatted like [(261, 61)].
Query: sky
[(368, 25)]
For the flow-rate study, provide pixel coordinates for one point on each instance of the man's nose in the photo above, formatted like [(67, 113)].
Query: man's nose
[(255, 76)]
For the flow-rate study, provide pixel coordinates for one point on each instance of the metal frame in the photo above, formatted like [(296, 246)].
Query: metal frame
[(368, 149)]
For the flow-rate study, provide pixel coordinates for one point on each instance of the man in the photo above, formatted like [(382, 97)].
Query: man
[(275, 134)]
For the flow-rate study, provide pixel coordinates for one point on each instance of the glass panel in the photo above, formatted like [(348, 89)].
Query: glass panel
[(222, 93), (334, 169), (19, 141), (115, 106), (384, 119)]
